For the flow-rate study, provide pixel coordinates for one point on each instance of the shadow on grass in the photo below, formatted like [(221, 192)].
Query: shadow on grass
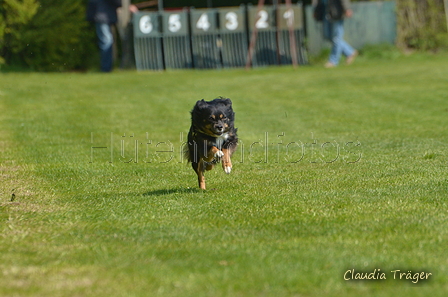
[(172, 191)]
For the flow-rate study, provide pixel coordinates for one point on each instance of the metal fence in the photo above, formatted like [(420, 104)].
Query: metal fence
[(233, 36), (214, 38), (373, 22), (204, 38), (148, 41), (291, 35), (219, 37), (262, 21), (176, 39)]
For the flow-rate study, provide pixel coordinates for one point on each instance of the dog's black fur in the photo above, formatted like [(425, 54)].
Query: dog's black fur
[(212, 136)]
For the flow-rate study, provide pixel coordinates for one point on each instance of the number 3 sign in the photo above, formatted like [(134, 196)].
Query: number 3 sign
[(232, 19)]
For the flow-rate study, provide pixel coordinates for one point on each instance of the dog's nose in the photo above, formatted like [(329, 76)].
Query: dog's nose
[(219, 127)]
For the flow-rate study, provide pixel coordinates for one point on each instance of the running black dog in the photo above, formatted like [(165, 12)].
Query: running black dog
[(212, 136)]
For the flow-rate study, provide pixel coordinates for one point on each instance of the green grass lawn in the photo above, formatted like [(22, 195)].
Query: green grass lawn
[(337, 169)]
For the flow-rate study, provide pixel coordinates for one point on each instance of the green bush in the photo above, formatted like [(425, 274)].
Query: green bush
[(57, 38), (383, 51), (13, 15)]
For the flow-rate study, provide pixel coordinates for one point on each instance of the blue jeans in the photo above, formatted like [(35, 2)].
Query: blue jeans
[(105, 43), (334, 32)]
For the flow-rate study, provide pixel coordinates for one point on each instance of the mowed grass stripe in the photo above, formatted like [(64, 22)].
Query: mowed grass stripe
[(337, 169)]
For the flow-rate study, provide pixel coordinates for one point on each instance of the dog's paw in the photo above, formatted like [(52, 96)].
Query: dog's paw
[(227, 169), (219, 155)]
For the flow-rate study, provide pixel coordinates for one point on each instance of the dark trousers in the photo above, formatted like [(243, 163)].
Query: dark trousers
[(105, 44)]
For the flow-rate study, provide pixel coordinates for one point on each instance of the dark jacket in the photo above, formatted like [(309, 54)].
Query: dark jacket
[(331, 10), (103, 11)]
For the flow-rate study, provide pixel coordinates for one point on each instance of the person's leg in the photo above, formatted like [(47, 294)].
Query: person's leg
[(346, 49), (105, 43), (340, 46)]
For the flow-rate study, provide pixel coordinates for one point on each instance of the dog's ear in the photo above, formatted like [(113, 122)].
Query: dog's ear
[(201, 104), (226, 101)]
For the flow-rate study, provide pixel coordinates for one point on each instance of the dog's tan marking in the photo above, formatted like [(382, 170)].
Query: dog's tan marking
[(213, 153), (226, 162), (209, 166), (201, 177)]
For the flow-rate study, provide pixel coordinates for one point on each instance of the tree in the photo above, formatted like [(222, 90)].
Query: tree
[(55, 37), (421, 24), (14, 14)]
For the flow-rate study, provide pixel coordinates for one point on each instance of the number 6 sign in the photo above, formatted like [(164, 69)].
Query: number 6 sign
[(146, 24)]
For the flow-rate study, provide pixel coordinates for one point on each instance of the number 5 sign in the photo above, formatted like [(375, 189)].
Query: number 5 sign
[(175, 23)]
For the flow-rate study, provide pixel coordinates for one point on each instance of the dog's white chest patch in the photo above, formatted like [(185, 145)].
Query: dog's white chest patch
[(221, 139)]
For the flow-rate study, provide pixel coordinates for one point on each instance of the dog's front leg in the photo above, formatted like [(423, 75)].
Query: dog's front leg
[(226, 162), (214, 153)]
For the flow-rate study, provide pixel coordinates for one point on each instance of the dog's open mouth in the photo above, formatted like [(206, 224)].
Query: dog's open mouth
[(218, 131)]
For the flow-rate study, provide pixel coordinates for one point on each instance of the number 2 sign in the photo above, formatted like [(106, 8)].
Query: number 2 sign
[(262, 19)]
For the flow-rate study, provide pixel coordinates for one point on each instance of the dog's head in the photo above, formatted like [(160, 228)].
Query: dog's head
[(213, 118)]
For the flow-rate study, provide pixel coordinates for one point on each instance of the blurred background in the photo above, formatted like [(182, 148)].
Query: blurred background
[(53, 35)]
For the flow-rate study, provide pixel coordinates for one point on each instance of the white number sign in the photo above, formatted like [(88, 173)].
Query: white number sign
[(262, 22), (289, 17), (174, 24), (145, 24), (203, 22), (231, 21)]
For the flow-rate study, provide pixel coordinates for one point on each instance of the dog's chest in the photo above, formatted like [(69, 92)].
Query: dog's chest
[(219, 141)]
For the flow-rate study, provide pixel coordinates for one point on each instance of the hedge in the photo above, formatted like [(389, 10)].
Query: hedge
[(56, 38)]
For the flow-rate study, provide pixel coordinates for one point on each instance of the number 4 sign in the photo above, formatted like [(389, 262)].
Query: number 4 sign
[(203, 23)]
